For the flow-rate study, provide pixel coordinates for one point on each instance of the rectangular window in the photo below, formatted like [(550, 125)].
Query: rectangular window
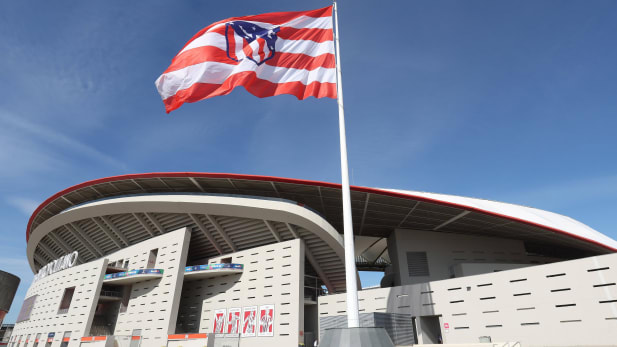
[(26, 309), (226, 261), (417, 264), (152, 258), (65, 339), (135, 338), (50, 339), (37, 340), (126, 296), (65, 303)]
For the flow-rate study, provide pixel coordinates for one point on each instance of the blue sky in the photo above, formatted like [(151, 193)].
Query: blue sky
[(509, 101)]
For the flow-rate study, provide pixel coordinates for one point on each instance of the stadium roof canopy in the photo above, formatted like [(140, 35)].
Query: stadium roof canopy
[(376, 212)]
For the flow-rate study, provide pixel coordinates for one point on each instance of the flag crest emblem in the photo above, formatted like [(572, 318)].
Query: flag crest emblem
[(251, 41), (268, 54)]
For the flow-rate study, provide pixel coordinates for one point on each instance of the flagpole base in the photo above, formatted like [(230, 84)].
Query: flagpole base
[(356, 337)]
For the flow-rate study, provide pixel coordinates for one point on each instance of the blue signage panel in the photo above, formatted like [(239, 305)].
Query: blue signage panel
[(134, 272), (213, 267)]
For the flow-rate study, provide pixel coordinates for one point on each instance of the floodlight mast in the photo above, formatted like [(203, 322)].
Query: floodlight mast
[(353, 316)]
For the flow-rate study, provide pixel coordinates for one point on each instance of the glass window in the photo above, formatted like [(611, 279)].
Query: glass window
[(26, 309), (50, 339), (152, 258), (66, 300), (37, 339), (65, 339)]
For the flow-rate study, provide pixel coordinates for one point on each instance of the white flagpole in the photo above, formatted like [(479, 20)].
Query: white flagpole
[(353, 317)]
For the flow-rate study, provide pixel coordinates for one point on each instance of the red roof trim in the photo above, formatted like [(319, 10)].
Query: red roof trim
[(295, 181)]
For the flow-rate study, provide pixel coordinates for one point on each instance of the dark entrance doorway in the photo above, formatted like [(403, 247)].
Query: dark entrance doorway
[(429, 329)]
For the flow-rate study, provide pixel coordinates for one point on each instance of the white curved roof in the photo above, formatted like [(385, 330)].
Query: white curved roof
[(540, 217), (377, 211), (221, 225)]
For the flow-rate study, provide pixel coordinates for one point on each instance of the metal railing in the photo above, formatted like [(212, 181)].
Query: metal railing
[(115, 294)]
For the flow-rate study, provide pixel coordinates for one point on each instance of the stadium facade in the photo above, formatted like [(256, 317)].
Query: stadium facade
[(182, 259)]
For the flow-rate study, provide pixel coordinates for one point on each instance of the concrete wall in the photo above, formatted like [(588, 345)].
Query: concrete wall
[(445, 250), (153, 304), (273, 275), (45, 319), (560, 304), (471, 269)]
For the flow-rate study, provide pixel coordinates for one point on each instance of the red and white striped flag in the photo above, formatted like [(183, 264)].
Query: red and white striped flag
[(269, 54)]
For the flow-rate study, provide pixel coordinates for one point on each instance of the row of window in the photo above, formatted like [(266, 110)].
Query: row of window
[(40, 340)]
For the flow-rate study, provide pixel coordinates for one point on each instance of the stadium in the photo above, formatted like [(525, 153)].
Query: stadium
[(189, 259)]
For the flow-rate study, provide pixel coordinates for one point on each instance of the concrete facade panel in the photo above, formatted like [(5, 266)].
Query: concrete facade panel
[(561, 304), (154, 303), (152, 307), (273, 275), (46, 317), (445, 251)]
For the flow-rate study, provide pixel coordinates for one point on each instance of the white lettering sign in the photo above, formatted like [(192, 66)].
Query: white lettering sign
[(60, 264)]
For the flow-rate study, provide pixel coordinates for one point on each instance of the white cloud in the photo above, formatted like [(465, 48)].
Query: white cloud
[(29, 146), (25, 205), (19, 155)]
